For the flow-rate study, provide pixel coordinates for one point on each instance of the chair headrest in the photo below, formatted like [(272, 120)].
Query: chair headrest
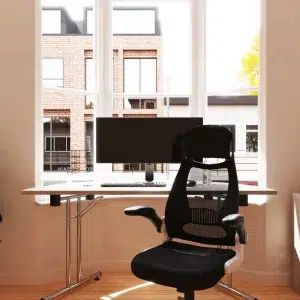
[(207, 141)]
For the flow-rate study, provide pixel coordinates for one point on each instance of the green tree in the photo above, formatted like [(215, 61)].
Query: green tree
[(250, 64)]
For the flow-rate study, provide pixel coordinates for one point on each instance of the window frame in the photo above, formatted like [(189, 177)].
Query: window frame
[(102, 48)]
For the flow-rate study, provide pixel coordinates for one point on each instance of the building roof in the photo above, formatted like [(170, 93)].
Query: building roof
[(219, 100), (79, 27)]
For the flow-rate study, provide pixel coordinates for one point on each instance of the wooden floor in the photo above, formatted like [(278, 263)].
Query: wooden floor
[(128, 287)]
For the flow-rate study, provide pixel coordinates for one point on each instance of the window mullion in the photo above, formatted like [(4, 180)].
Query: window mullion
[(103, 54), (198, 105)]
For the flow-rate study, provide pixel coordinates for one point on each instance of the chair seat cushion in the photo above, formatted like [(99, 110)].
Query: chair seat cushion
[(182, 266)]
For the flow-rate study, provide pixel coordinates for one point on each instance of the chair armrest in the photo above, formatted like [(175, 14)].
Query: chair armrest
[(236, 221), (146, 212)]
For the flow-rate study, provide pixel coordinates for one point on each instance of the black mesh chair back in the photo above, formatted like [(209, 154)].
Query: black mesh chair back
[(199, 218)]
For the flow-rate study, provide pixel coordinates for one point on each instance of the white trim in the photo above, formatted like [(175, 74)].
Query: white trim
[(198, 105), (235, 263), (262, 135), (38, 96)]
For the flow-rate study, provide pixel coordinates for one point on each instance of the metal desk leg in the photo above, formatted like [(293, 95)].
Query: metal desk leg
[(69, 286), (79, 242)]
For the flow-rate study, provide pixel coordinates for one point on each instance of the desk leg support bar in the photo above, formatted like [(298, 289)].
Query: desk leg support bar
[(96, 276)]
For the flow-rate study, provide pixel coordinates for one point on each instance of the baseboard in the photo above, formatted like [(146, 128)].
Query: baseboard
[(263, 277), (47, 276)]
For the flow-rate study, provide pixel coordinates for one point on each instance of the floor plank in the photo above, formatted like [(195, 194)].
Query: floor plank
[(127, 285)]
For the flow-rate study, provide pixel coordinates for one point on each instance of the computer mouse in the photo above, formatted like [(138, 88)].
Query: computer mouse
[(190, 183)]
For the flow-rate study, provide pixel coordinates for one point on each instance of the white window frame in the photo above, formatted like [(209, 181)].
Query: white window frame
[(103, 70)]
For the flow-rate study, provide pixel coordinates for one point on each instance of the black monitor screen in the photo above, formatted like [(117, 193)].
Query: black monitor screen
[(140, 140)]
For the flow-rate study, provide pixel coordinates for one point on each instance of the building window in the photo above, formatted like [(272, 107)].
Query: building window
[(57, 143), (140, 76), (53, 72), (90, 21), (139, 167), (89, 82), (251, 138), (51, 21), (142, 103)]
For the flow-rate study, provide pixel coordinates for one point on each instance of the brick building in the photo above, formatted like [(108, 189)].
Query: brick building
[(67, 51)]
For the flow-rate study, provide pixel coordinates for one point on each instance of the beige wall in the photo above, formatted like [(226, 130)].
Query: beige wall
[(33, 237), (18, 231), (282, 122)]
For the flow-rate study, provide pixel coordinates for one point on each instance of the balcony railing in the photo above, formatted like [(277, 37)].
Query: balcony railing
[(68, 161)]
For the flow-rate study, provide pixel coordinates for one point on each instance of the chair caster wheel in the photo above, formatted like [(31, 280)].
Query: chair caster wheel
[(97, 278)]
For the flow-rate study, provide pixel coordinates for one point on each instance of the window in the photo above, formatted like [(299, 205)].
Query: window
[(150, 61), (140, 76), (53, 72), (51, 21), (133, 21), (251, 138), (57, 143), (90, 21), (142, 103), (89, 81), (139, 167)]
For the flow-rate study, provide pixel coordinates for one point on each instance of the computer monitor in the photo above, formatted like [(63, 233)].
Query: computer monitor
[(141, 140)]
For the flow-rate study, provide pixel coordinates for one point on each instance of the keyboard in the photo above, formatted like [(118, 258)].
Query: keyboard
[(133, 184)]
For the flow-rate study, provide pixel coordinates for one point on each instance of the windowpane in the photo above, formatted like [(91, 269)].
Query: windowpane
[(60, 144), (252, 141), (132, 76), (89, 82), (57, 141), (127, 21), (49, 144), (90, 22), (51, 21), (148, 76), (232, 28), (53, 68), (67, 62)]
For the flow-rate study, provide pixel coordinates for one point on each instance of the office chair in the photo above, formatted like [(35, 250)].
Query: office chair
[(204, 219)]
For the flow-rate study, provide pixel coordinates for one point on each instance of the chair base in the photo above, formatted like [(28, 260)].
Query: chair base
[(235, 292), (187, 296)]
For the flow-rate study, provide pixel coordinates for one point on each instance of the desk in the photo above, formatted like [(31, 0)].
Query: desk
[(66, 192)]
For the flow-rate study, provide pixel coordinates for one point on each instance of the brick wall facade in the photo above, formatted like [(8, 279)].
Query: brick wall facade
[(74, 50)]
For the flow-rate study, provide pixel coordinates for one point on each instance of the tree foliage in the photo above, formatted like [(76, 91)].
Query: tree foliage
[(250, 63)]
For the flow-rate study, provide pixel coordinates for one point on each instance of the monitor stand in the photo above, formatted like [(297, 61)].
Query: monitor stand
[(149, 172)]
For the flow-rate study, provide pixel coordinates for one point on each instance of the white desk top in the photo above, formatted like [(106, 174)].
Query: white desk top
[(96, 189)]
